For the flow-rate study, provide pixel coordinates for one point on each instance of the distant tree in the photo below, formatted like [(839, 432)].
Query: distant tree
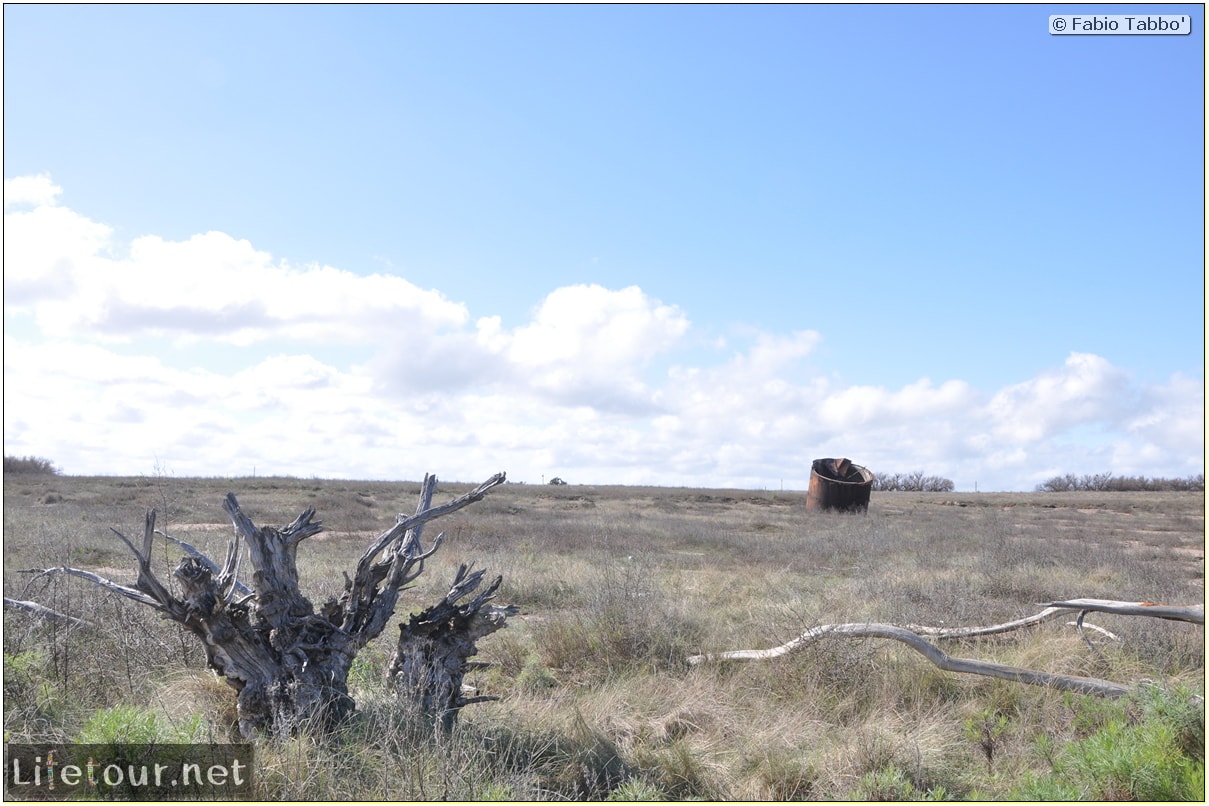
[(882, 482), (1059, 484), (935, 484), (1107, 482), (557, 481), (911, 482), (34, 465)]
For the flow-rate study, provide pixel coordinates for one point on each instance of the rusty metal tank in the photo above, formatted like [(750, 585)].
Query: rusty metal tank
[(838, 485)]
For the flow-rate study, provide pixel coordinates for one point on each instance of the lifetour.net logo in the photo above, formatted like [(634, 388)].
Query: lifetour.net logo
[(128, 771)]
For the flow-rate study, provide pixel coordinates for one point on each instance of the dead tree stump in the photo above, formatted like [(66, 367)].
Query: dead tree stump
[(287, 660), (434, 648)]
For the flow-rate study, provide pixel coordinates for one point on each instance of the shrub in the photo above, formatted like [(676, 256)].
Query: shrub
[(635, 790), (678, 773), (1149, 747), (1107, 482), (887, 784), (32, 703), (627, 622), (134, 724), (33, 465), (787, 776), (915, 482)]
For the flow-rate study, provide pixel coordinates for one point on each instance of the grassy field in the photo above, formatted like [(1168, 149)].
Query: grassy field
[(617, 586)]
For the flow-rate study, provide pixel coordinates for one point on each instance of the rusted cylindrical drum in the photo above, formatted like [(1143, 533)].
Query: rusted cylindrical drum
[(838, 485)]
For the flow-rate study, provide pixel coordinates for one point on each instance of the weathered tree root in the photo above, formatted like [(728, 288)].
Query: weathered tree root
[(912, 637), (435, 646), (287, 659)]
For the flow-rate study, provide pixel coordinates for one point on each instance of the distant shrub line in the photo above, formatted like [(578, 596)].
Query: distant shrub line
[(915, 482), (1107, 482), (29, 464)]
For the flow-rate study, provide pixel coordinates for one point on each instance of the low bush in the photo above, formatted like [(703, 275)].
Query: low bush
[(915, 482), (1107, 482), (32, 465), (1149, 746), (134, 724)]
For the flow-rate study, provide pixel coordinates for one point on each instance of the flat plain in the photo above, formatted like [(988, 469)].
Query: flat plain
[(617, 587)]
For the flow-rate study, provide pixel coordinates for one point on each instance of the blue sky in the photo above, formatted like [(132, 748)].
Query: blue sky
[(620, 244)]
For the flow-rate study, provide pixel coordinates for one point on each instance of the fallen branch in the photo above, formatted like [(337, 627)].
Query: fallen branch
[(912, 636), (1191, 613), (1045, 615), (45, 612), (995, 629), (1082, 685)]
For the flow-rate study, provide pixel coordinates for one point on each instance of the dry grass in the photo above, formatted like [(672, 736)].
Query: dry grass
[(617, 586)]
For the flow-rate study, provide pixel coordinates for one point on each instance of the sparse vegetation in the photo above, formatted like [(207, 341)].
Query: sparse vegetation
[(915, 482), (1107, 482), (29, 464), (1148, 748), (616, 587)]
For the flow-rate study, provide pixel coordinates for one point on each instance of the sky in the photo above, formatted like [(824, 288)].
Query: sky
[(671, 245)]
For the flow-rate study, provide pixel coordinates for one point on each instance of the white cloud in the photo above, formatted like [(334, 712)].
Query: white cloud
[(45, 248), (589, 323), (1169, 422), (579, 390), (210, 287), (39, 191), (864, 406), (1086, 389), (585, 346), (588, 345)]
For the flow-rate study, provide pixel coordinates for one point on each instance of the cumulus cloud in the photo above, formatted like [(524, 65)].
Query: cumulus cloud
[(594, 385), (590, 323), (862, 406), (209, 287), (1086, 389), (1169, 422), (38, 191), (587, 345), (93, 410), (46, 247)]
